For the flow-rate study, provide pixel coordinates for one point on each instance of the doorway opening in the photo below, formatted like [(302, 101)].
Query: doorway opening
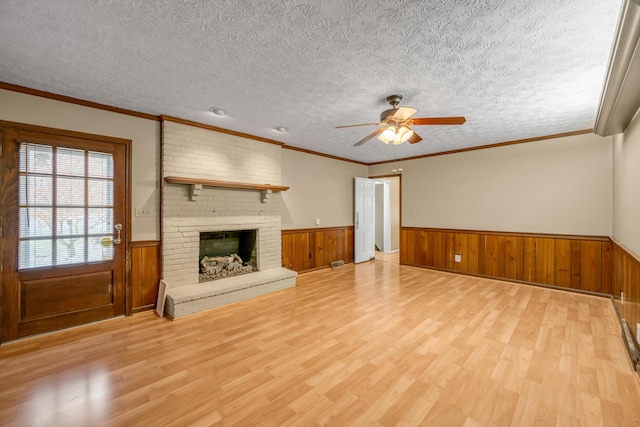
[(387, 201), (377, 218)]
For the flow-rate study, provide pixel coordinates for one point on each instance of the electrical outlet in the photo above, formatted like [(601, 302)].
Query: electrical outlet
[(142, 212), (317, 221), (457, 258)]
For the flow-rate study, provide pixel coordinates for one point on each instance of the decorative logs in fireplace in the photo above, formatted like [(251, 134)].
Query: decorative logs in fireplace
[(227, 253), (212, 268)]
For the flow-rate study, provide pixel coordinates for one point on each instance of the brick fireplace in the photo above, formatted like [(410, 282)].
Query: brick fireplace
[(189, 210), (181, 247)]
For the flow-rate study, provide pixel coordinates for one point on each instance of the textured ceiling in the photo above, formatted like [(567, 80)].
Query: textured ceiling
[(515, 68)]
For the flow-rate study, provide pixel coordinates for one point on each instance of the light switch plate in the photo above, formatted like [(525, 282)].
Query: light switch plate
[(143, 212)]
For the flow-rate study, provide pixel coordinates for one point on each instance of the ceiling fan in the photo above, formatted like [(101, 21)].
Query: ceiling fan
[(397, 123)]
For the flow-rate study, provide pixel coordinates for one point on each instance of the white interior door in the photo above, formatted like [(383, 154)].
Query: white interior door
[(364, 220)]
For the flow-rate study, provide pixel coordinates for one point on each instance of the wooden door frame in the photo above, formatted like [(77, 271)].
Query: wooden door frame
[(399, 176), (127, 191)]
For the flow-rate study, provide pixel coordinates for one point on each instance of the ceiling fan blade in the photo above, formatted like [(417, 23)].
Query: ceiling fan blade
[(370, 136), (403, 113), (352, 126), (414, 138), (439, 121)]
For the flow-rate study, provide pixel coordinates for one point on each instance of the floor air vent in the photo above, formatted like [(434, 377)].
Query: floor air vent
[(336, 264)]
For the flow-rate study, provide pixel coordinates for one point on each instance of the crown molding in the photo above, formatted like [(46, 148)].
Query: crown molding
[(221, 130), (317, 153), (482, 147), (71, 100), (620, 99)]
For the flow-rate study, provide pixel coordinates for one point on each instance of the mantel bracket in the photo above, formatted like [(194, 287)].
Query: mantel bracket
[(195, 191)]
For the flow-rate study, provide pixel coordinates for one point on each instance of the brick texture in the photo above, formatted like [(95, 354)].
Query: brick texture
[(192, 152)]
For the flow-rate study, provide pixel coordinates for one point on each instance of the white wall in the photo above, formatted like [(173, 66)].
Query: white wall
[(320, 187), (145, 136), (379, 216), (626, 186), (561, 186), (395, 212)]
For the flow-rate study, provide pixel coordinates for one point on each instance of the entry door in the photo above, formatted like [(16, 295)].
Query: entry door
[(365, 224), (63, 201)]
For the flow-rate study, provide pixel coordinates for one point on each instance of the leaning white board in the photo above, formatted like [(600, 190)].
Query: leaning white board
[(162, 296)]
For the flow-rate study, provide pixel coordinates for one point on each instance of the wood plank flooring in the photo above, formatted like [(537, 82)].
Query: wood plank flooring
[(372, 344), (393, 257)]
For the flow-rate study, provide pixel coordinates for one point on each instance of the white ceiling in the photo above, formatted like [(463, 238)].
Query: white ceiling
[(515, 68)]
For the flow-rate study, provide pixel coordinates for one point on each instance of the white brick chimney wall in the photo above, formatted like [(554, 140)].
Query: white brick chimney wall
[(193, 152)]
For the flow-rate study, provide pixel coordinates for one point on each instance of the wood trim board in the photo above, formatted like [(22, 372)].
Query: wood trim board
[(77, 101)]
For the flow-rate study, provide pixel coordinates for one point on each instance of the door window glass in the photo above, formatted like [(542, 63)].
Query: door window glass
[(65, 206)]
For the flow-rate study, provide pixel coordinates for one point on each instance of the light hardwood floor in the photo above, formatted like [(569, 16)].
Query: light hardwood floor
[(393, 257), (372, 344)]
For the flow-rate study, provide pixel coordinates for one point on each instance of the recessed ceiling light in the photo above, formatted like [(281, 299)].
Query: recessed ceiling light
[(280, 129), (217, 111)]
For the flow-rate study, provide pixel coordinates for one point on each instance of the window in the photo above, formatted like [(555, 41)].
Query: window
[(65, 206)]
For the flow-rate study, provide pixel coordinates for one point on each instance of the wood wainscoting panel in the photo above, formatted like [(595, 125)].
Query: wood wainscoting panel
[(591, 265), (461, 247), (325, 247), (545, 261), (576, 259), (514, 247), (145, 274), (563, 262), (579, 262), (626, 278), (314, 248), (473, 242), (492, 253), (529, 259), (295, 251), (607, 267)]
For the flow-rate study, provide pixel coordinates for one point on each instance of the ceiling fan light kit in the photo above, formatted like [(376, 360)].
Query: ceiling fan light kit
[(396, 135), (398, 122)]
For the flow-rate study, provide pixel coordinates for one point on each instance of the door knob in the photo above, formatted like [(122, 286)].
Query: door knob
[(117, 240)]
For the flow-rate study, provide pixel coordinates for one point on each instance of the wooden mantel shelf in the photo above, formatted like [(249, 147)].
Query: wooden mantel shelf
[(197, 184), (224, 184)]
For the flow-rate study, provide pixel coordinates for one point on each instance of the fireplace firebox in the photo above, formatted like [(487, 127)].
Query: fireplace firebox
[(227, 253)]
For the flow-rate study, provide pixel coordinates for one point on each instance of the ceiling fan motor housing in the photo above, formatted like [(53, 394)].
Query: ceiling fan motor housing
[(394, 100)]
